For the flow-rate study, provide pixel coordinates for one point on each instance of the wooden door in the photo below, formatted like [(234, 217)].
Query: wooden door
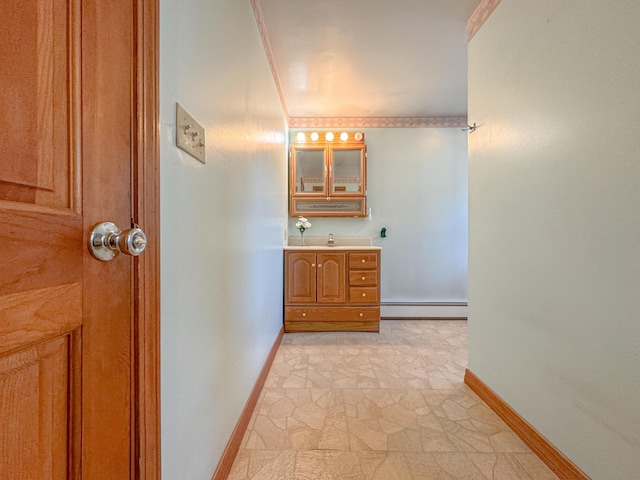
[(300, 277), (70, 77), (331, 278)]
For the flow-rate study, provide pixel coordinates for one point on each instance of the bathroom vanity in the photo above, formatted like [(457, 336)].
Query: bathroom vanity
[(332, 288)]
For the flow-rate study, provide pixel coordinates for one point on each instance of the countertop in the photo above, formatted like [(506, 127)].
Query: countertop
[(342, 243), (324, 247)]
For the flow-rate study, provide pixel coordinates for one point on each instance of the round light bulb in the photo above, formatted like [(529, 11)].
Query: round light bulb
[(344, 136), (315, 136), (300, 137), (329, 137), (358, 136)]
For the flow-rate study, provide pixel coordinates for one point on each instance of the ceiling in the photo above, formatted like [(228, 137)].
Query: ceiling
[(368, 58)]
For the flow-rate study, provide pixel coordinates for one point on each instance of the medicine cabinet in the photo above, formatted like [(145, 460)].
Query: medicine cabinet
[(328, 175)]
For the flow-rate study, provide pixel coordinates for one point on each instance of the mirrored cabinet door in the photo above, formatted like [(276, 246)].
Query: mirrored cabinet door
[(346, 171), (309, 170), (328, 175)]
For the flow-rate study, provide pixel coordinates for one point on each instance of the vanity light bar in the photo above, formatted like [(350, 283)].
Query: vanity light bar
[(328, 137)]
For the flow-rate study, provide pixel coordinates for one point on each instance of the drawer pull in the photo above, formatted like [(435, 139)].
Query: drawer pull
[(363, 260), (362, 314), (364, 278), (364, 294), (313, 264), (319, 265), (304, 314)]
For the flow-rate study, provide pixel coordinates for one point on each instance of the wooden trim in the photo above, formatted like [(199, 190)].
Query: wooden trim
[(548, 453), (146, 212), (230, 452), (479, 16)]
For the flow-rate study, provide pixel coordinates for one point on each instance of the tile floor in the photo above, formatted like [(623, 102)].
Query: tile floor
[(387, 406)]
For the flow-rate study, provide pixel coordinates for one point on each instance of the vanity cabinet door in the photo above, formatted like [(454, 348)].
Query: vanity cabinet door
[(300, 277), (331, 278)]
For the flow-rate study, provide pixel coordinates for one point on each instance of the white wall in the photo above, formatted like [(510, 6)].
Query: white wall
[(417, 189), (554, 223), (222, 227)]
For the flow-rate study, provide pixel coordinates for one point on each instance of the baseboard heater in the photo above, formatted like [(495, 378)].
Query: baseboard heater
[(423, 310)]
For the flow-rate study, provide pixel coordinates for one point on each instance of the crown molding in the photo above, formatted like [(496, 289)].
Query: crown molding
[(479, 16), (378, 122), (257, 12)]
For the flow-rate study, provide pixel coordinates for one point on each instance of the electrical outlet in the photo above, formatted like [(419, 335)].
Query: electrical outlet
[(189, 134)]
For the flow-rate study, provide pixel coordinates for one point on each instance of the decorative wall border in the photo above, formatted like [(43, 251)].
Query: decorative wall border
[(479, 16), (548, 453), (377, 122)]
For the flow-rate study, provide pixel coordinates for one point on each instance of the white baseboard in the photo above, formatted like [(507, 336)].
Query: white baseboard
[(391, 310)]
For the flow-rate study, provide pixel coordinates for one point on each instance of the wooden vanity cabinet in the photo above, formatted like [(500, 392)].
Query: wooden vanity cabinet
[(332, 291)]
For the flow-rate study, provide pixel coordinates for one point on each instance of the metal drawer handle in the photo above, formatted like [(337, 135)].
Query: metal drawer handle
[(304, 314), (362, 314), (364, 294), (364, 278), (363, 260)]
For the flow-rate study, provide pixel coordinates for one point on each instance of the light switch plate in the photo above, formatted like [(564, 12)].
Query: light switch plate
[(189, 134)]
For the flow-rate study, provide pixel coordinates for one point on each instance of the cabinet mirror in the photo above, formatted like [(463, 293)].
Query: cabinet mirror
[(309, 168), (328, 178), (346, 175)]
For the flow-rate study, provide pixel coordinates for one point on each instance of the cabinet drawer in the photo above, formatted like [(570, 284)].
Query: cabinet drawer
[(363, 294), (363, 260), (349, 314), (364, 277)]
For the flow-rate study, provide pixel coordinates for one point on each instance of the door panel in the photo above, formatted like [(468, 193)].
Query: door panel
[(41, 238), (301, 277), (34, 394), (66, 319), (331, 278), (40, 38)]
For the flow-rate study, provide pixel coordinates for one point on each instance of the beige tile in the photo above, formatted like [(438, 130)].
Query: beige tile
[(328, 465), (442, 466), (385, 466), (507, 467), (379, 406), (299, 419), (263, 465), (535, 467)]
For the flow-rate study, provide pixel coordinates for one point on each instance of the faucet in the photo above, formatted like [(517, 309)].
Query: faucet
[(331, 242)]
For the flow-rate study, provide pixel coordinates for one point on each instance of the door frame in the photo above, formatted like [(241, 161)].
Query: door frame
[(146, 204)]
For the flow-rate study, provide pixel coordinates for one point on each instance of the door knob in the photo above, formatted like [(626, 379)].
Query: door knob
[(106, 240)]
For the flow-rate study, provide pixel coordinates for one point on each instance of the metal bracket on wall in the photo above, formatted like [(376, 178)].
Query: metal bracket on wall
[(470, 128)]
